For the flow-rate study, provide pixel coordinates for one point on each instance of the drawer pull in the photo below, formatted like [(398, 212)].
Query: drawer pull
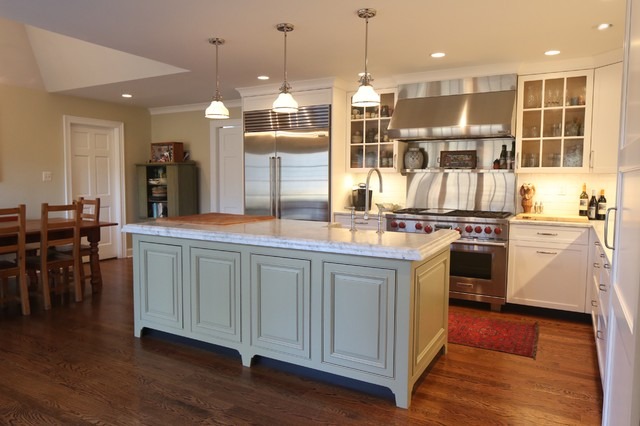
[(546, 252), (549, 234), (594, 303), (602, 287), (607, 266), (597, 243), (599, 335), (464, 285), (596, 265)]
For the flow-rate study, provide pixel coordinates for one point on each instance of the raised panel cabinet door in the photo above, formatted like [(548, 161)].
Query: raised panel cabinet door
[(281, 304), (161, 284), (548, 275), (361, 338), (215, 293), (431, 305)]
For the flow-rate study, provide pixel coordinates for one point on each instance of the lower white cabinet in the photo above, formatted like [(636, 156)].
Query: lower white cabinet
[(600, 282), (281, 304), (360, 338), (370, 224), (548, 266)]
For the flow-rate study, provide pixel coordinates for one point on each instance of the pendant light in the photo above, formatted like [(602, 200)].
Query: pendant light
[(285, 103), (366, 96), (216, 110)]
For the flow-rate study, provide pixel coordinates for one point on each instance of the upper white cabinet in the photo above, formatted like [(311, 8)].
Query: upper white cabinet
[(605, 130), (369, 144), (554, 122)]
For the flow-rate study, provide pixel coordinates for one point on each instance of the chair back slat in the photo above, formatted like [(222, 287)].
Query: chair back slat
[(69, 228), (90, 209), (13, 236)]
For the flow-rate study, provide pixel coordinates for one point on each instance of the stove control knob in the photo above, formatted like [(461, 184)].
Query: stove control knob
[(487, 230), (468, 228), (498, 231), (478, 229), (418, 226), (459, 230), (428, 229), (402, 225), (394, 224)]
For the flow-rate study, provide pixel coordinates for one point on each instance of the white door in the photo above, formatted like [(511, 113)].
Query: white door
[(93, 166), (230, 170), (622, 390)]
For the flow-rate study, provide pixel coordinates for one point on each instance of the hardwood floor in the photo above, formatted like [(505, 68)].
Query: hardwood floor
[(79, 363)]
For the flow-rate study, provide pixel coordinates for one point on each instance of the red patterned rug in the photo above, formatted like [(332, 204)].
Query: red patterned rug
[(514, 337)]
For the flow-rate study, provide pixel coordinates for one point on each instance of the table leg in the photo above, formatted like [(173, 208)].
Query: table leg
[(94, 261)]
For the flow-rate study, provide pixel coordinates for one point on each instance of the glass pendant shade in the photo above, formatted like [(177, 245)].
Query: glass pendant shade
[(365, 97), (285, 103), (217, 111)]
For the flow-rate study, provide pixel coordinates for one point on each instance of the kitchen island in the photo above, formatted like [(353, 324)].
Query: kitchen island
[(361, 305)]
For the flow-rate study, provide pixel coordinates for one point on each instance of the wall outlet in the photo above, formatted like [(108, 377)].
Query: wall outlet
[(47, 176)]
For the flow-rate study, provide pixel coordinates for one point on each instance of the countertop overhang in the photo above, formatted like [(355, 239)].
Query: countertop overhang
[(305, 235)]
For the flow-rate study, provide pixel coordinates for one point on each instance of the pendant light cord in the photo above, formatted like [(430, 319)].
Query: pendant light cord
[(366, 50), (285, 84), (217, 97)]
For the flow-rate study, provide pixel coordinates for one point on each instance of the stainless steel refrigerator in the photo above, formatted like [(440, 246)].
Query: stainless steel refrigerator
[(286, 163)]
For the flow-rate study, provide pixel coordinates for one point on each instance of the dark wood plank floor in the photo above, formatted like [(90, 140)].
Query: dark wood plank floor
[(80, 364)]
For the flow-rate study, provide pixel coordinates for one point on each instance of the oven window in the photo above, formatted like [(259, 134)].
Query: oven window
[(470, 265)]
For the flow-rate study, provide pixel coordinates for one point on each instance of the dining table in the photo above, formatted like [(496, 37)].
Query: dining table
[(89, 229)]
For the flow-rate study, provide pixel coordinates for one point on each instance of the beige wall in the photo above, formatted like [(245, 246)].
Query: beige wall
[(31, 141), (192, 129)]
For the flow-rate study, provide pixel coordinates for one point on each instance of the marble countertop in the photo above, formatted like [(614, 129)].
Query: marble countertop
[(306, 235)]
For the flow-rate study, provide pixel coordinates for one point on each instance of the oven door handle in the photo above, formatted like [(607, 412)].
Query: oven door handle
[(481, 243)]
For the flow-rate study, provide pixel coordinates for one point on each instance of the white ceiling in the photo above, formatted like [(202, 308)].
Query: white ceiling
[(158, 50)]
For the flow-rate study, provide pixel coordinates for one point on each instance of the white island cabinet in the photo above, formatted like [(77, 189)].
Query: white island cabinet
[(370, 307)]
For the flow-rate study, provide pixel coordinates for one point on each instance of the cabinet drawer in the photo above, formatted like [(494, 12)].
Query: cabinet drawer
[(556, 234), (345, 220)]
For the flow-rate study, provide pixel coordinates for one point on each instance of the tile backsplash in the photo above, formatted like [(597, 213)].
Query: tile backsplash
[(560, 193)]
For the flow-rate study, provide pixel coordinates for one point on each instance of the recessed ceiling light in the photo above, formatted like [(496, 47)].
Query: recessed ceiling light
[(127, 95), (552, 52), (263, 77), (604, 26), (438, 55)]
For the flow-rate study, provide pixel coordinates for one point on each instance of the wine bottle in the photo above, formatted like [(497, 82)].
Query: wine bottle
[(584, 201), (503, 157), (593, 206), (513, 155), (601, 212)]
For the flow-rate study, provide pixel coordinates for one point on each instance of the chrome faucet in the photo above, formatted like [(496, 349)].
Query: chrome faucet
[(366, 191)]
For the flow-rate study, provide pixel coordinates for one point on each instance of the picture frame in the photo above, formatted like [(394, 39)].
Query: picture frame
[(167, 152), (458, 159)]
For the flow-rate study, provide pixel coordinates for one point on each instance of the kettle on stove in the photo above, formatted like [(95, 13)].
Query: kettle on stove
[(358, 196)]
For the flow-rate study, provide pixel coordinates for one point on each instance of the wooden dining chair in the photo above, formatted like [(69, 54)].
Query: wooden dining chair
[(90, 211), (12, 248), (56, 230)]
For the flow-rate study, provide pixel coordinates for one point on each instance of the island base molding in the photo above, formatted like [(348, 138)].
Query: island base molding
[(376, 320)]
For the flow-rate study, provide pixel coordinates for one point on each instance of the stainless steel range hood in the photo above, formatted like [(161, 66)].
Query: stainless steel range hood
[(473, 108)]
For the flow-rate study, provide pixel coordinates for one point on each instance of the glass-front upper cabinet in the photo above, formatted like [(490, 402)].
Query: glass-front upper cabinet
[(554, 122), (369, 144)]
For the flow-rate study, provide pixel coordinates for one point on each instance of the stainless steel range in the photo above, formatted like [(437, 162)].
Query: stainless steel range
[(478, 268)]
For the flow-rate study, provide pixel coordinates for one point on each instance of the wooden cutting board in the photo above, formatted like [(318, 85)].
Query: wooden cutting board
[(553, 217), (215, 219)]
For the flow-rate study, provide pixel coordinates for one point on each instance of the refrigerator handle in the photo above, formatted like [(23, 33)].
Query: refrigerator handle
[(272, 195), (277, 185)]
